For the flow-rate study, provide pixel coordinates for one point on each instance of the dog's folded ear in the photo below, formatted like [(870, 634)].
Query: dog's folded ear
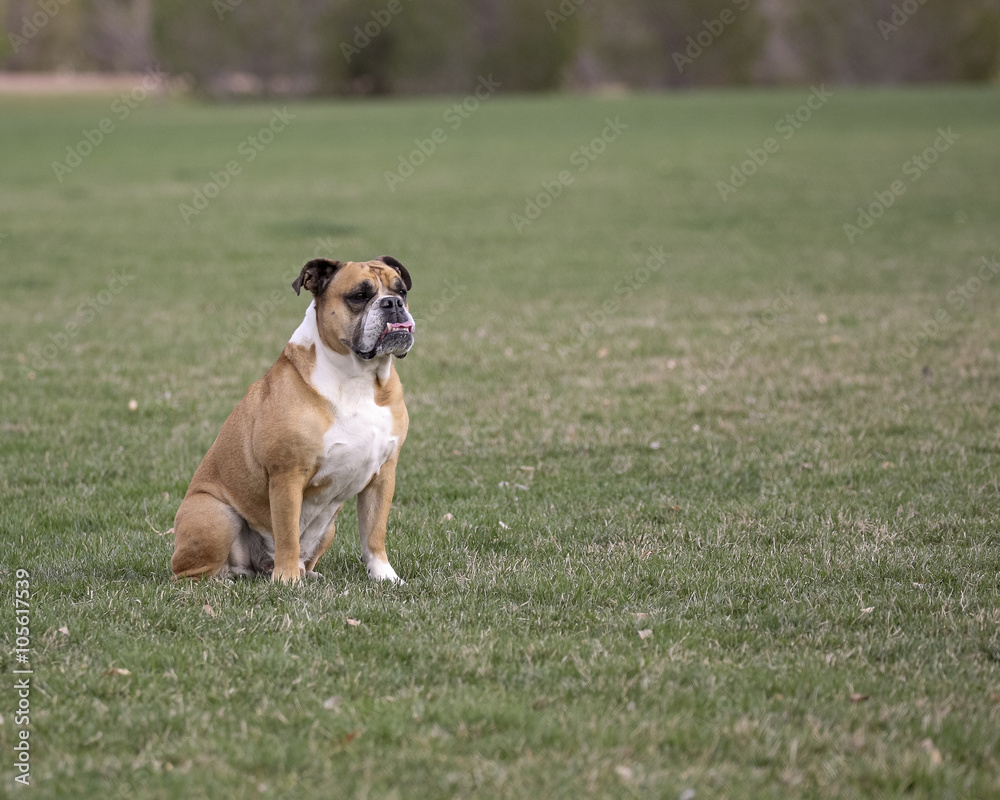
[(389, 261), (316, 275)]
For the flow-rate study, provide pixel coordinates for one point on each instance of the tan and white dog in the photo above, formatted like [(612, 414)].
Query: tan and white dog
[(323, 425)]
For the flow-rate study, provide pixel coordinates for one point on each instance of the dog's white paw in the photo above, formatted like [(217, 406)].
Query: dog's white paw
[(383, 571), (315, 576)]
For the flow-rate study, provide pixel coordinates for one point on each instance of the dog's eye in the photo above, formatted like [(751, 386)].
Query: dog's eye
[(360, 297)]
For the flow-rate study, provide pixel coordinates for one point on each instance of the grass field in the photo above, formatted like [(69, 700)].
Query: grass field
[(715, 523)]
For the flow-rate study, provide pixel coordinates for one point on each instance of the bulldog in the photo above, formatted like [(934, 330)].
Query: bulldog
[(325, 424)]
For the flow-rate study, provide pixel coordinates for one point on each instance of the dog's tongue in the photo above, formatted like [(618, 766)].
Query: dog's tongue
[(398, 326)]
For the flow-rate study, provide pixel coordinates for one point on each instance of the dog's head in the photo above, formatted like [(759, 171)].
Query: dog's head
[(360, 305)]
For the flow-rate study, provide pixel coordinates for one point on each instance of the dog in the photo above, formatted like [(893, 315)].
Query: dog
[(325, 424)]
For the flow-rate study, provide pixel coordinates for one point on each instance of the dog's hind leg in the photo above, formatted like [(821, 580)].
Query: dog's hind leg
[(256, 554), (204, 531)]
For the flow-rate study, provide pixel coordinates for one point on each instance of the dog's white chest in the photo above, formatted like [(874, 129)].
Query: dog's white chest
[(355, 447), (353, 450)]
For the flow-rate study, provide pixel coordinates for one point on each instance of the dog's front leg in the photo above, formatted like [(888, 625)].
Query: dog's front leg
[(373, 518), (285, 496)]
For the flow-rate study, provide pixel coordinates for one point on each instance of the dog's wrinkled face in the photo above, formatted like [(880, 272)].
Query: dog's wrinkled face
[(361, 305)]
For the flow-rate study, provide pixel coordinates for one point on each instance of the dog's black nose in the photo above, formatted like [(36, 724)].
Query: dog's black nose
[(391, 302)]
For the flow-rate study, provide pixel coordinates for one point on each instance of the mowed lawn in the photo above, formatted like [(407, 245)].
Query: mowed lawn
[(700, 497)]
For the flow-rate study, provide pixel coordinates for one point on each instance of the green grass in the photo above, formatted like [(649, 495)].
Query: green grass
[(766, 455)]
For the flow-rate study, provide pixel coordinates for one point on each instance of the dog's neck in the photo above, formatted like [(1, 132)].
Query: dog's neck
[(347, 366)]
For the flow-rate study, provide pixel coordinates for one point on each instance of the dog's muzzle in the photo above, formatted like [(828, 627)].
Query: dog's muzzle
[(389, 329)]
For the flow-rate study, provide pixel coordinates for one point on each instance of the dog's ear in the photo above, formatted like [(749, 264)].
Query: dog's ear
[(389, 261), (316, 275)]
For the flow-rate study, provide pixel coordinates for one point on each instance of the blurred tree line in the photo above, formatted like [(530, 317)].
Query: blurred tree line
[(368, 47)]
